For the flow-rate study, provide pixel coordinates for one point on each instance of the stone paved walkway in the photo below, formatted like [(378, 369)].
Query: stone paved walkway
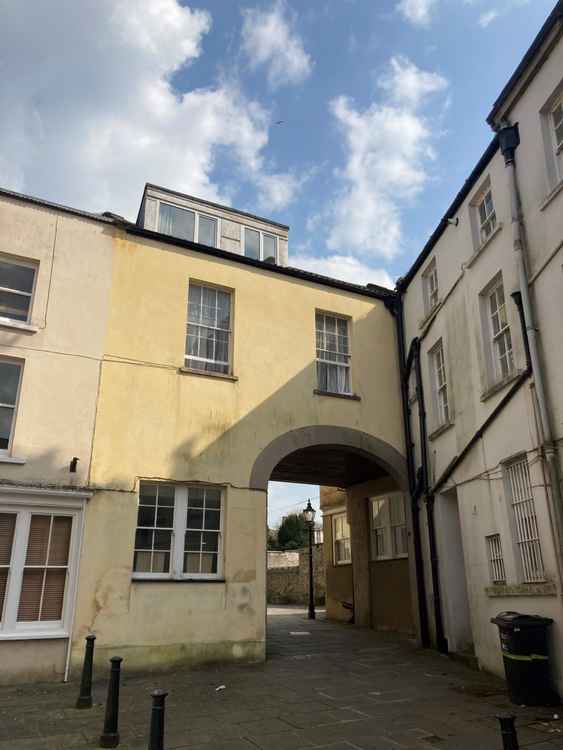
[(325, 685)]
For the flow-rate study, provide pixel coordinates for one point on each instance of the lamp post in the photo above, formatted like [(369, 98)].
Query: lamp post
[(309, 516)]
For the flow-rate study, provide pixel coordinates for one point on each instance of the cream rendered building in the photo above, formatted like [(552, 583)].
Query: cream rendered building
[(483, 306), (183, 371)]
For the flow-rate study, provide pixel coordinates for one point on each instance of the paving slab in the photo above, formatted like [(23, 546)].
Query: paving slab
[(339, 688)]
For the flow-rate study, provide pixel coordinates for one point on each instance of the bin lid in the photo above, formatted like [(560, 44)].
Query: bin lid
[(519, 620)]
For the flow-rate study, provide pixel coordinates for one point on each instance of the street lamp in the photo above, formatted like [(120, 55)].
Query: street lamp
[(309, 516)]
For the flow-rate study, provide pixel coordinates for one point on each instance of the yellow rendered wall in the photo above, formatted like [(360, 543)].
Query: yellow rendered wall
[(155, 422)]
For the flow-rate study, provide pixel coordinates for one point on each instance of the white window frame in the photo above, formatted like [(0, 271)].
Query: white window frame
[(387, 527), (439, 380), (348, 364), (7, 452), (524, 520), (31, 295), (503, 333), (25, 507), (176, 572), (197, 214), (334, 519), (430, 286), (230, 292), (556, 105), (488, 224), (261, 234), (497, 568)]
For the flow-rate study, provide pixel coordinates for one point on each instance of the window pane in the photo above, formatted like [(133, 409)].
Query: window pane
[(195, 519), (160, 562), (3, 583), (270, 246), (223, 310), (193, 541), (147, 493), (9, 380), (166, 495), (6, 419), (212, 498), (176, 221), (162, 540), (14, 306), (165, 518), (16, 277), (196, 496), (53, 595), (252, 243), (142, 562), (38, 540), (207, 234), (144, 539), (210, 542), (194, 303), (30, 597), (60, 540), (146, 516), (7, 526), (191, 562), (208, 563)]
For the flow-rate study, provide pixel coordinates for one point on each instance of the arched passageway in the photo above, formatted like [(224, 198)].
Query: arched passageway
[(368, 480)]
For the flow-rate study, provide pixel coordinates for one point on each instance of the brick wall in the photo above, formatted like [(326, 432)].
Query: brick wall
[(289, 583)]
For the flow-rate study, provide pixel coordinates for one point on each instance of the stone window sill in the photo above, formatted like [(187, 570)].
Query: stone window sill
[(205, 374), (500, 384), (140, 579), (12, 460), (34, 635), (18, 325), (440, 430), (483, 245), (553, 194), (349, 396), (522, 589), (430, 315)]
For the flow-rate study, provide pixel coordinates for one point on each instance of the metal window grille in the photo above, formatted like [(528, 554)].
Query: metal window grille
[(208, 334), (487, 216), (525, 521), (440, 383), (496, 559), (333, 353), (500, 333)]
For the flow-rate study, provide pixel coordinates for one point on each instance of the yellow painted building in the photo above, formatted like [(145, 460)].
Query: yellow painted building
[(217, 369)]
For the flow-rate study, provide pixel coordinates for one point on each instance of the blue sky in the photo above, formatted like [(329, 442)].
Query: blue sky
[(382, 108)]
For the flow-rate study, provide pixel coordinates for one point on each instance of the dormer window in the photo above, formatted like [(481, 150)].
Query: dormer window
[(187, 225), (260, 245)]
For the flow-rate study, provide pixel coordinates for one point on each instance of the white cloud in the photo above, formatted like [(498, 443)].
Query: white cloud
[(388, 148), (89, 114), (269, 39), (343, 267), (487, 18), (418, 12), (408, 85)]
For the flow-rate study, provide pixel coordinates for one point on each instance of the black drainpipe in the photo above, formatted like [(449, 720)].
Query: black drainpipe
[(441, 640), (395, 306)]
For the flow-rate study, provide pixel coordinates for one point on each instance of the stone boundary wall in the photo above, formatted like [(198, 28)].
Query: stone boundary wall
[(289, 584)]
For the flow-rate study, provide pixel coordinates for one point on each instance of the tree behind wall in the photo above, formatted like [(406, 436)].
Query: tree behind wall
[(292, 533)]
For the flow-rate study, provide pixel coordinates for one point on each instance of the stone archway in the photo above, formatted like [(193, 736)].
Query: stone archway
[(326, 438)]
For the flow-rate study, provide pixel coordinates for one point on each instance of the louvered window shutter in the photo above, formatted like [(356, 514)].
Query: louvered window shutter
[(45, 571), (7, 527)]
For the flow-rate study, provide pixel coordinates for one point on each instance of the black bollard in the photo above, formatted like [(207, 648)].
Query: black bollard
[(508, 733), (85, 697), (110, 736), (156, 738)]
